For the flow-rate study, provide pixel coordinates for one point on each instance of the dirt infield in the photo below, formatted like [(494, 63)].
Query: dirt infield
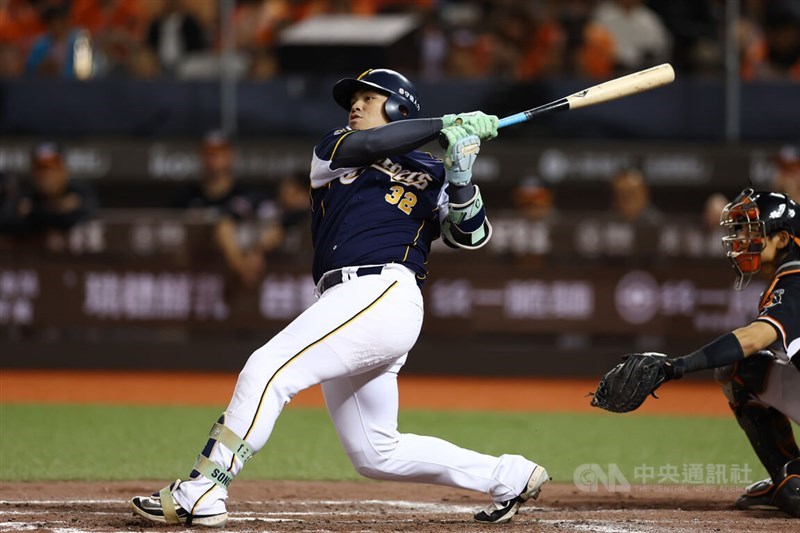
[(73, 507), (385, 506)]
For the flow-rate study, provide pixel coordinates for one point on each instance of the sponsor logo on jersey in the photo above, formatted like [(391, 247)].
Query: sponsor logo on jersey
[(774, 299)]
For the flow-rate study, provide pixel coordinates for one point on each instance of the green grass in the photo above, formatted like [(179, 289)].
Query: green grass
[(71, 442)]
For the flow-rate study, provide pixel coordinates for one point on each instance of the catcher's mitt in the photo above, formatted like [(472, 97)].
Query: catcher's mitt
[(626, 386)]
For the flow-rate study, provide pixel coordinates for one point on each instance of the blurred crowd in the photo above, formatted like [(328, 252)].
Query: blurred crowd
[(39, 211), (509, 39), (512, 39), (250, 225)]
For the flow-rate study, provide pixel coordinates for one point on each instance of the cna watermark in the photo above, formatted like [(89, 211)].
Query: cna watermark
[(593, 477), (590, 476)]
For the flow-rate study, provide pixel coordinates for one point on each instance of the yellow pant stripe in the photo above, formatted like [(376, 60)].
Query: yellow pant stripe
[(304, 350), (284, 365)]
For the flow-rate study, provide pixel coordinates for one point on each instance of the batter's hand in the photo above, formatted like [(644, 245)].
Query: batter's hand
[(462, 150), (476, 122), (453, 134)]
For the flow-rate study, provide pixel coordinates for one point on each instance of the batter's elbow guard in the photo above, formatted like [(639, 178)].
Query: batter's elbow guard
[(466, 225)]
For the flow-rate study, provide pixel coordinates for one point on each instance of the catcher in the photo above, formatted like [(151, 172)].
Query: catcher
[(758, 365)]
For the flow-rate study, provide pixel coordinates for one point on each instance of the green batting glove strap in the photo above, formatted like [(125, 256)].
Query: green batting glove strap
[(232, 441), (459, 158)]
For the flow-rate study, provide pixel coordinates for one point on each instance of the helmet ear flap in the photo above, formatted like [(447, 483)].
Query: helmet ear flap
[(395, 108)]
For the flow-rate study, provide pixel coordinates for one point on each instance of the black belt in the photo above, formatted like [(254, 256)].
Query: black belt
[(331, 279)]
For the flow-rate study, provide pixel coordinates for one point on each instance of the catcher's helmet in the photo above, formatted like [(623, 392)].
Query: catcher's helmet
[(748, 220), (402, 101)]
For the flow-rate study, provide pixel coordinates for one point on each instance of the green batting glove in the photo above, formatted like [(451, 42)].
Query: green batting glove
[(482, 125), (477, 123), (453, 134), (450, 120)]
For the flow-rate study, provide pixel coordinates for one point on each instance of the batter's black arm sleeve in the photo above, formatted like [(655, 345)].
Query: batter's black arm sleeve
[(362, 147)]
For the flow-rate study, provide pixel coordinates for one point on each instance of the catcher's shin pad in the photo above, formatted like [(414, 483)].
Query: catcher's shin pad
[(626, 386)]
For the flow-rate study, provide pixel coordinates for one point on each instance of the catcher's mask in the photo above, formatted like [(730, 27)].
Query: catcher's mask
[(748, 220), (402, 101)]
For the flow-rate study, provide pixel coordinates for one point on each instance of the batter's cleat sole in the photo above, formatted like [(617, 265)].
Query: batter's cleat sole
[(153, 508), (759, 495), (503, 512)]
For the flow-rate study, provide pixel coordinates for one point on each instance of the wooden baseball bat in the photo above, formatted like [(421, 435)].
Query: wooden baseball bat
[(638, 82)]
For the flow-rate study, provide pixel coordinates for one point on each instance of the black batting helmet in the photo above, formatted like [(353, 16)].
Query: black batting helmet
[(748, 220), (402, 101)]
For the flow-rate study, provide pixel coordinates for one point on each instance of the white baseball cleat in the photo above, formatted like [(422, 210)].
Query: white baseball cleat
[(162, 508), (502, 512)]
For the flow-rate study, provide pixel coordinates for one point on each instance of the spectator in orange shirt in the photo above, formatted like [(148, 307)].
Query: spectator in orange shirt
[(19, 24)]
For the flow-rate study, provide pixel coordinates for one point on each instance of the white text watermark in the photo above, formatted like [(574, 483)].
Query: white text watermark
[(593, 477)]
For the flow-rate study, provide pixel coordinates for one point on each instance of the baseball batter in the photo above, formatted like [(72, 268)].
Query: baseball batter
[(377, 205), (758, 365)]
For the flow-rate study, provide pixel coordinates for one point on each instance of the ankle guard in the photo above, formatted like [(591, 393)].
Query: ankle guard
[(768, 430), (787, 490), (223, 435), (466, 225)]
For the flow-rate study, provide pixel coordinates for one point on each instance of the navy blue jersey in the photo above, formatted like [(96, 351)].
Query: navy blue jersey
[(780, 307), (387, 212)]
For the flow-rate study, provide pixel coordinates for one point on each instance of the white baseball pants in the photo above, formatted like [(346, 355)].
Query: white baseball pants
[(353, 340)]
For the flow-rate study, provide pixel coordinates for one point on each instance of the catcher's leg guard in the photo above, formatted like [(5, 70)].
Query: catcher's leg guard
[(787, 490), (769, 430), (759, 495)]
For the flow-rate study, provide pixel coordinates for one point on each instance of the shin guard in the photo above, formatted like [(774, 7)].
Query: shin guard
[(769, 430)]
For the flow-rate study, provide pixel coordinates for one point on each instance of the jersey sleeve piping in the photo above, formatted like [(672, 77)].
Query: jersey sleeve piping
[(336, 146), (778, 328)]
